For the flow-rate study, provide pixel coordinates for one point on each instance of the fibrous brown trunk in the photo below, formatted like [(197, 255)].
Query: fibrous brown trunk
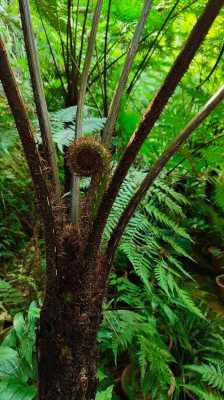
[(69, 321)]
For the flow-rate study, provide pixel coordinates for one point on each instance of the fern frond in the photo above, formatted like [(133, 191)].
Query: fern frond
[(139, 263), (185, 299), (166, 221), (10, 297), (123, 325), (153, 357), (203, 393), (54, 12), (213, 375), (168, 189), (177, 247), (165, 279), (167, 201)]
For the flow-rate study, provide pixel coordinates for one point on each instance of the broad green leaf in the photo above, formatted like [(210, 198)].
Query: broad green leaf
[(19, 325), (11, 389), (26, 350), (12, 365), (9, 362), (106, 394), (10, 340)]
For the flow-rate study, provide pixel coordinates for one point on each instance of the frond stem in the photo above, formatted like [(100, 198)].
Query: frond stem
[(80, 106), (157, 168), (152, 114), (39, 97), (115, 104)]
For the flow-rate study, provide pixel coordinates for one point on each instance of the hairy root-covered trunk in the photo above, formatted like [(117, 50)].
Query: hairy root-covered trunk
[(67, 334)]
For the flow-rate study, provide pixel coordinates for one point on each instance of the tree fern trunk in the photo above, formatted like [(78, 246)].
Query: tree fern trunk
[(67, 335)]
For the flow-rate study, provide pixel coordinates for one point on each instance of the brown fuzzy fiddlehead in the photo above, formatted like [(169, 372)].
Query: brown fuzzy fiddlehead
[(88, 158), (71, 240)]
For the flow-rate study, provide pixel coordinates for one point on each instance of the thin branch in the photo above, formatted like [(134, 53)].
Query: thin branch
[(213, 68), (88, 89), (105, 59), (38, 91), (153, 44), (184, 8), (76, 27), (152, 114), (83, 33), (70, 21), (68, 32), (75, 208), (112, 63), (108, 51), (85, 73), (171, 18), (58, 73), (195, 152), (52, 53), (66, 67), (157, 168), (115, 104), (100, 80), (125, 52)]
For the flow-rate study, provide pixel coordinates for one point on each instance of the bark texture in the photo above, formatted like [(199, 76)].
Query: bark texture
[(70, 319)]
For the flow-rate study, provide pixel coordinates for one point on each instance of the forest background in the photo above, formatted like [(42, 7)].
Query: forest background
[(162, 333)]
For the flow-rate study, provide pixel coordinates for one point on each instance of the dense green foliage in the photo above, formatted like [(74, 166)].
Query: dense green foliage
[(162, 334)]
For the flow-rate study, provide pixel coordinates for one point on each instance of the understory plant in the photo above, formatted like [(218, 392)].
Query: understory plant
[(159, 337), (164, 343), (79, 248)]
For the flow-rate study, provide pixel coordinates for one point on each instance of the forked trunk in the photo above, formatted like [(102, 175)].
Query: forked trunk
[(69, 321)]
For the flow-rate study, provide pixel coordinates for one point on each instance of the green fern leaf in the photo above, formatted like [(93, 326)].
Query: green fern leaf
[(213, 375)]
